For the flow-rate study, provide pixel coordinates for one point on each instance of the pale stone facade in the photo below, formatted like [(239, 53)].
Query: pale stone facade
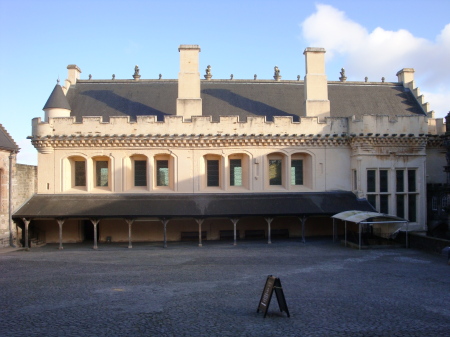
[(383, 156)]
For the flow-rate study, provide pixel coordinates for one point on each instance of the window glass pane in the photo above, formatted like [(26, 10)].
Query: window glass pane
[(384, 203), (412, 207), (355, 180), (275, 171), (101, 168), (140, 173), (372, 199), (235, 172), (411, 180), (400, 205), (212, 172), (80, 173), (371, 180), (434, 203), (162, 173), (383, 181), (296, 172), (399, 181)]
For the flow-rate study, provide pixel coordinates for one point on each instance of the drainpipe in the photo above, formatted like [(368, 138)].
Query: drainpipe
[(11, 239)]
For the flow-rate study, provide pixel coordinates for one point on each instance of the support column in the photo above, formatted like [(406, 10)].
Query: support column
[(60, 223), (26, 222), (345, 233), (269, 221), (95, 223), (359, 225), (129, 222), (165, 221), (234, 221), (199, 221), (303, 221)]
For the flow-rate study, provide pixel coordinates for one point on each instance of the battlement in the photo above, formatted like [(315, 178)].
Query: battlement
[(60, 126)]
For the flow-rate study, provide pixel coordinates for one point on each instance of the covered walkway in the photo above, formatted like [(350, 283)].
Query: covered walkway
[(166, 207)]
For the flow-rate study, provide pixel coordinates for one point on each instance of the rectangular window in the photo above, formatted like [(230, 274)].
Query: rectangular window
[(400, 185), (384, 203), (101, 171), (140, 173), (275, 172), (162, 173), (401, 205), (372, 199), (355, 180), (411, 180), (296, 172), (371, 182), (235, 172), (383, 180), (80, 173), (212, 173), (434, 203), (412, 208)]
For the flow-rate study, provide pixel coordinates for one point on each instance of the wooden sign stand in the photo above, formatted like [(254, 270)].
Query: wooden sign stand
[(272, 283)]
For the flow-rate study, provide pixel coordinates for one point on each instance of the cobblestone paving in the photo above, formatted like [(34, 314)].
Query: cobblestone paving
[(185, 290)]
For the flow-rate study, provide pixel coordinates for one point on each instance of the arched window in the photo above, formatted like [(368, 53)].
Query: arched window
[(163, 175), (238, 169), (102, 172), (300, 171), (276, 170), (75, 173), (213, 171)]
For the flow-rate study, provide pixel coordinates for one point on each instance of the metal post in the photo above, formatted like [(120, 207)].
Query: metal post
[(334, 238), (407, 227), (95, 223), (60, 223), (345, 233), (303, 221), (269, 221), (26, 222), (129, 222), (359, 225), (199, 222), (234, 221), (165, 221)]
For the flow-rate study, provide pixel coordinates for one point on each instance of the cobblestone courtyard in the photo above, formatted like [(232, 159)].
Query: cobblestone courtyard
[(185, 290)]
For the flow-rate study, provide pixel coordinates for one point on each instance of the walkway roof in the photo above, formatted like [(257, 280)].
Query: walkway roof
[(198, 205), (359, 216)]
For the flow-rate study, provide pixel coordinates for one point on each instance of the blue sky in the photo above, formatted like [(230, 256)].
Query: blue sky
[(38, 39)]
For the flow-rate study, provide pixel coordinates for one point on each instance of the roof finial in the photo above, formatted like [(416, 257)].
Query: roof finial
[(57, 81)]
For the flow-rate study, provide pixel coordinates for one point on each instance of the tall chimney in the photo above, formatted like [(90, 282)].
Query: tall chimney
[(72, 77), (406, 76), (316, 86), (189, 102)]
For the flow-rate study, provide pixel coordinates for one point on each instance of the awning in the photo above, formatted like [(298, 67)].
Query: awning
[(369, 218), (193, 205)]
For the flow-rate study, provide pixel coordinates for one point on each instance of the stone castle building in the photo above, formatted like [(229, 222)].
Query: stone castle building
[(156, 159), (18, 182)]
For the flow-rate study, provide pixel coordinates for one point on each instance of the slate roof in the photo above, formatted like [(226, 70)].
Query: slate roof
[(57, 99), (201, 205), (6, 141), (237, 97)]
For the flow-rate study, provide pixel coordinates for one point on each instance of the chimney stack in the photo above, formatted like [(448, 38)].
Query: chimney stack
[(72, 77), (189, 102), (316, 85), (406, 76)]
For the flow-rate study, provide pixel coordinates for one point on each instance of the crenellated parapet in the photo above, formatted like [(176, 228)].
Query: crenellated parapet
[(379, 124), (178, 125)]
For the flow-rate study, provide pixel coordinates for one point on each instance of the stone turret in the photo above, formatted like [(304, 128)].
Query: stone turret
[(57, 104), (317, 103), (189, 102)]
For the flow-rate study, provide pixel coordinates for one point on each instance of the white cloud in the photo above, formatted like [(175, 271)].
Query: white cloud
[(383, 52)]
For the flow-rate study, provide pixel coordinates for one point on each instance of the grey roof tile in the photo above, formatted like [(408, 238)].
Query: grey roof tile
[(6, 141), (57, 99), (241, 98)]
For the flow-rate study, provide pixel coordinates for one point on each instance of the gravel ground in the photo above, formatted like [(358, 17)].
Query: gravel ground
[(214, 290)]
